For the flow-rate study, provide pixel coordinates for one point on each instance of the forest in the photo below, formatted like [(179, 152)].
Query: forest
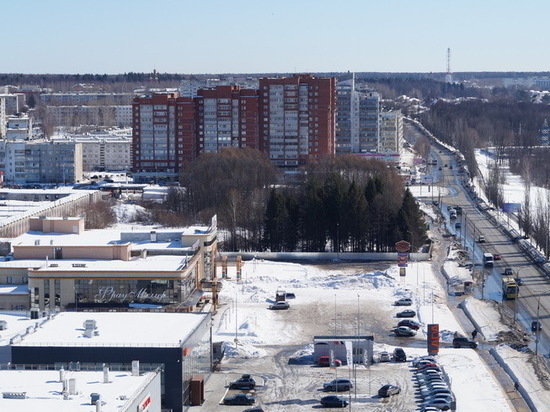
[(344, 204)]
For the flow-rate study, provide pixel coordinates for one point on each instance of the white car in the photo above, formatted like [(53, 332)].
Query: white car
[(279, 306)]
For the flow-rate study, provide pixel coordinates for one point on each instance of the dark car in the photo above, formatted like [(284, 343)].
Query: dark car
[(239, 399), (462, 342), (536, 326), (255, 409), (246, 382), (403, 302), (408, 313), (338, 385), (399, 355), (333, 401), (388, 390), (409, 323), (519, 281)]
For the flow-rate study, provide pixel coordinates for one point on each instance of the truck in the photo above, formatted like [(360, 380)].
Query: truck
[(510, 288), (488, 260)]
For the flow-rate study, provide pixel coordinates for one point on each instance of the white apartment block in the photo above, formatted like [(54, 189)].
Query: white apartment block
[(19, 128), (115, 115), (3, 124), (391, 131), (40, 161), (14, 102), (102, 151)]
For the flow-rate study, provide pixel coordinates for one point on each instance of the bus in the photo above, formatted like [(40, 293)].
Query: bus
[(510, 288), (488, 259)]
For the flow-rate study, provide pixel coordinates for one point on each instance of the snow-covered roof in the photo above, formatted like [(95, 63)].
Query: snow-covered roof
[(44, 391), (134, 329)]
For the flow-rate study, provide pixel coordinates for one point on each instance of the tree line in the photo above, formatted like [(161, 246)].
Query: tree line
[(345, 203)]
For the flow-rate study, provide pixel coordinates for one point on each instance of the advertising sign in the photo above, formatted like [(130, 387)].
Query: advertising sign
[(433, 339)]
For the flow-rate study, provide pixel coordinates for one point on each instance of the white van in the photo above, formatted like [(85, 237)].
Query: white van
[(488, 259)]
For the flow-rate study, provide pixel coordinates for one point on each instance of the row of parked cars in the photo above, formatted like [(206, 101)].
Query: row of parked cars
[(431, 385)]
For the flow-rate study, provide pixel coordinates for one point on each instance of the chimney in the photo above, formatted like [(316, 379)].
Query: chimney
[(72, 386), (61, 375)]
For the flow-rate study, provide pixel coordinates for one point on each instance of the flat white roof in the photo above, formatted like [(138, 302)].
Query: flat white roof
[(16, 324), (131, 329), (44, 391)]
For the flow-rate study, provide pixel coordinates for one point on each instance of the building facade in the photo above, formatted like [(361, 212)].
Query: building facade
[(391, 131), (297, 119)]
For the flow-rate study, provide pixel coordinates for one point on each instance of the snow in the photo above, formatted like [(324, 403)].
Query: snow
[(116, 329), (362, 291)]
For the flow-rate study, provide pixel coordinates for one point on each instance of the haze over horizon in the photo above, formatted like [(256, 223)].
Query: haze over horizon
[(246, 36)]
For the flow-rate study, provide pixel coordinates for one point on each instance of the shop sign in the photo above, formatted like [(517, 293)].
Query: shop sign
[(109, 294)]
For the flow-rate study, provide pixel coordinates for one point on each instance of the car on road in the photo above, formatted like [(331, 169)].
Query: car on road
[(403, 302), (519, 281), (463, 342), (324, 361), (239, 399), (333, 401), (496, 256), (407, 313), (399, 355), (338, 385), (481, 239), (409, 323), (245, 382), (388, 390), (404, 331), (536, 326), (458, 225), (384, 357), (279, 306)]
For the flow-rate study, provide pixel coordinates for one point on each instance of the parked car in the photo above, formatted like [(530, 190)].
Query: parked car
[(424, 358), (388, 390), (338, 385), (404, 331), (255, 409), (333, 401), (399, 355), (403, 302), (239, 399), (290, 295), (458, 225), (409, 323), (441, 404), (325, 361), (279, 306), (246, 382), (408, 313), (463, 342), (384, 357)]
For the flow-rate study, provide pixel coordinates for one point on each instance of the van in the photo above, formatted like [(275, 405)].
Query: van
[(488, 259)]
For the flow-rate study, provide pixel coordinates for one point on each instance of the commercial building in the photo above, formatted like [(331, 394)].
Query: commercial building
[(179, 344), (68, 268), (78, 390)]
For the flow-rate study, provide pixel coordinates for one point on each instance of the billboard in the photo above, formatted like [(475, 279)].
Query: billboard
[(433, 339)]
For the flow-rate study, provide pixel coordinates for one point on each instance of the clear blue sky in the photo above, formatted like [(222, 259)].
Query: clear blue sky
[(252, 36)]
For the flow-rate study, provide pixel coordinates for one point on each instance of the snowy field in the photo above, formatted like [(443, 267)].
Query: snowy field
[(329, 300)]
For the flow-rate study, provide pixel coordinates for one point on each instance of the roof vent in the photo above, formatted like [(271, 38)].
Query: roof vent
[(14, 395), (54, 265)]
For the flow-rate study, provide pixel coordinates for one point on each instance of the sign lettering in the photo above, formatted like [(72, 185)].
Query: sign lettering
[(108, 294), (433, 339)]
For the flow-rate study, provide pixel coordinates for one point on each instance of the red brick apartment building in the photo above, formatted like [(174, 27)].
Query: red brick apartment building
[(291, 119)]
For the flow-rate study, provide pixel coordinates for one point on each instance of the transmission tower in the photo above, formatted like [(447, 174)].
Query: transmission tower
[(449, 76)]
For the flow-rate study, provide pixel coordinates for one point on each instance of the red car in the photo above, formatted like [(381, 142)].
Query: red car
[(496, 256), (325, 361)]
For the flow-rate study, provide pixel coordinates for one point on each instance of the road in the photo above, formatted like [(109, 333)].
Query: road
[(534, 299)]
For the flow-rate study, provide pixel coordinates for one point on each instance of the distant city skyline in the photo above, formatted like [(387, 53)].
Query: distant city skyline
[(251, 36)]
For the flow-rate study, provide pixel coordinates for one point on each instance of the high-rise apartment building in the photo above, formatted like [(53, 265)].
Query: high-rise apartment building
[(163, 136), (297, 118), (227, 116), (391, 131), (347, 117), (369, 123)]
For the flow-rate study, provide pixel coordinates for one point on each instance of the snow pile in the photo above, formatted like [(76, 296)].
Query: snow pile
[(126, 213), (486, 316), (519, 365)]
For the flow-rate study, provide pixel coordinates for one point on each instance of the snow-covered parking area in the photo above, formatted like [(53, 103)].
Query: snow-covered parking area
[(339, 299)]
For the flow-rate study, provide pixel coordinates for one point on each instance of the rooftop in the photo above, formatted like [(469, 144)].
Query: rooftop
[(44, 391), (131, 329)]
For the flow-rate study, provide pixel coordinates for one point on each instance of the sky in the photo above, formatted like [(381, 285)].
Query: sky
[(258, 36)]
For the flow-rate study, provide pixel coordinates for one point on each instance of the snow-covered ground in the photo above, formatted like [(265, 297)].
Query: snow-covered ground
[(330, 299)]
